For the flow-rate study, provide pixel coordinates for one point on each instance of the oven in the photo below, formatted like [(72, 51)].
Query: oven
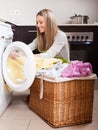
[(81, 44)]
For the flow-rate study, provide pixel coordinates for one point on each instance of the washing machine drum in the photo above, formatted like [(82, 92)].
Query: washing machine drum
[(18, 65)]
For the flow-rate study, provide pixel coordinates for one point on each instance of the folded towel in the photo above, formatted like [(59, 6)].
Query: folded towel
[(44, 63)]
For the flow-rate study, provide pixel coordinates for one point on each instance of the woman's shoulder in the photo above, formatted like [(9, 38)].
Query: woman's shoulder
[(60, 33)]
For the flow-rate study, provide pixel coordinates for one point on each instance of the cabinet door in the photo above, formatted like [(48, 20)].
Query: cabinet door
[(16, 35), (27, 34)]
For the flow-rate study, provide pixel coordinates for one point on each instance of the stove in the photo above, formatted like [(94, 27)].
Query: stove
[(81, 44), (80, 37)]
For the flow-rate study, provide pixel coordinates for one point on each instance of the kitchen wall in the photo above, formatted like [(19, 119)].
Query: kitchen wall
[(23, 12)]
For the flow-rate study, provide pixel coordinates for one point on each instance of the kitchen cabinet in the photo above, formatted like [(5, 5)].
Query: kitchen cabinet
[(25, 34)]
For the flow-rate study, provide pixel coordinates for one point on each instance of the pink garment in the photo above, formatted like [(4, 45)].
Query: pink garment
[(77, 69)]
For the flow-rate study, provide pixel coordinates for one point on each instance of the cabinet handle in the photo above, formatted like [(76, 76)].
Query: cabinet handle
[(30, 31)]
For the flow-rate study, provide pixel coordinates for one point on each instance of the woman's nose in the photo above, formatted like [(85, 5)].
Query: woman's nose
[(38, 25)]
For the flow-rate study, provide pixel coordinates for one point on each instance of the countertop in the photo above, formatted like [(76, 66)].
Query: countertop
[(78, 24), (68, 25)]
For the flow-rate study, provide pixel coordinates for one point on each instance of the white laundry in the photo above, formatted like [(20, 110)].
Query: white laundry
[(55, 71)]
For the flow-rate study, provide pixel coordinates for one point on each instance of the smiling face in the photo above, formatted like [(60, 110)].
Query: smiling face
[(41, 23)]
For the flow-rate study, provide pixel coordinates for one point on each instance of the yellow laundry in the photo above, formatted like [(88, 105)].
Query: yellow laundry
[(45, 62), (15, 68)]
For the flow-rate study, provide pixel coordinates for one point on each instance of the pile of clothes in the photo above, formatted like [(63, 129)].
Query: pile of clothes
[(56, 68), (77, 69)]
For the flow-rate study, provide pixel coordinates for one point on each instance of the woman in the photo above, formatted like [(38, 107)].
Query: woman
[(50, 40)]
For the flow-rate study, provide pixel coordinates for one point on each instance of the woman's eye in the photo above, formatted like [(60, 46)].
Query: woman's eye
[(40, 22)]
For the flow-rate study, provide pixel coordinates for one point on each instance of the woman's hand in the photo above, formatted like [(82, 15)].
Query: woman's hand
[(37, 55), (14, 54)]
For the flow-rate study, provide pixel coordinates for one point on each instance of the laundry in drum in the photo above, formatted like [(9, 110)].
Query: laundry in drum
[(15, 66)]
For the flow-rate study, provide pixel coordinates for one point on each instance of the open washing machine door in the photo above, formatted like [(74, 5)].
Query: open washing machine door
[(18, 70)]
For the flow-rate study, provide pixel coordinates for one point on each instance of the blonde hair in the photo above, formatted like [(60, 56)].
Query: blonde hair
[(45, 40)]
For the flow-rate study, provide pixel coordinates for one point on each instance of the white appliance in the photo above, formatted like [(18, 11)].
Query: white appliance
[(15, 74)]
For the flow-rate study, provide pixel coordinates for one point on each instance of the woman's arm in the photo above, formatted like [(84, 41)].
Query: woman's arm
[(33, 44)]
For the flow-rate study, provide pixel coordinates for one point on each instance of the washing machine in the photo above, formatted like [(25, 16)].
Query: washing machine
[(16, 73)]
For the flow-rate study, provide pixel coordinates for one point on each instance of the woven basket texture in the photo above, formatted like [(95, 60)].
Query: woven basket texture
[(63, 103)]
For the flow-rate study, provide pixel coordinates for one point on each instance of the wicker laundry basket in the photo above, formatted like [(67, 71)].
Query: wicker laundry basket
[(63, 103)]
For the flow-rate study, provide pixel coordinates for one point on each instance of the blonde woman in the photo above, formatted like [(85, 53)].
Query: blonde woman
[(50, 40)]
